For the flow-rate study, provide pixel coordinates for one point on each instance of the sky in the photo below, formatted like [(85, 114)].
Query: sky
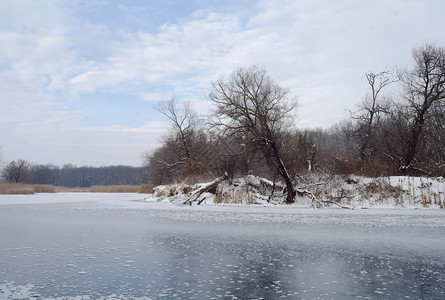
[(79, 80)]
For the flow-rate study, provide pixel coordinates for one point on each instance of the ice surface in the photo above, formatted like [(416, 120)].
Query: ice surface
[(116, 246)]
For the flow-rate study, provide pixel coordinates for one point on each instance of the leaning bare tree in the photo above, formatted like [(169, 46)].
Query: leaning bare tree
[(424, 91), (249, 105)]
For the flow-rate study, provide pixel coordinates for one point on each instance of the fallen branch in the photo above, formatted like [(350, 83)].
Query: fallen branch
[(317, 184), (316, 203), (204, 188), (336, 203), (312, 184), (344, 195), (311, 196), (173, 165)]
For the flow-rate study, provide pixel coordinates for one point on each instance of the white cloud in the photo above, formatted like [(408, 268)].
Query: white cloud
[(188, 48), (84, 146), (52, 55)]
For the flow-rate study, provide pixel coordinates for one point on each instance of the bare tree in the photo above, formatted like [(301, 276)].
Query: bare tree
[(424, 89), (370, 110), (250, 106), (430, 154), (16, 171), (308, 148), (184, 123), (225, 156), (336, 150)]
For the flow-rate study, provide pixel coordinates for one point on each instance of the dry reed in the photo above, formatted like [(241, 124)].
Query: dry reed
[(63, 189), (25, 189), (146, 188), (114, 189)]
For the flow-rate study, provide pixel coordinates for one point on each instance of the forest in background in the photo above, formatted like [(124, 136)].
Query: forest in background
[(22, 171)]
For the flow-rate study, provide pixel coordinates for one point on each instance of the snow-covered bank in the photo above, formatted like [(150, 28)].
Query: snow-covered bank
[(336, 191)]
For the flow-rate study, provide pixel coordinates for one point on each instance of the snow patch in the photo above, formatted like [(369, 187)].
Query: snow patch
[(347, 191)]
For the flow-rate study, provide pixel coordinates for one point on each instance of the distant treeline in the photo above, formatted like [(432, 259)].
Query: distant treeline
[(22, 171)]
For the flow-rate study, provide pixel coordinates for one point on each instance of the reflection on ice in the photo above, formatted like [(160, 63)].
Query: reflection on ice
[(92, 250)]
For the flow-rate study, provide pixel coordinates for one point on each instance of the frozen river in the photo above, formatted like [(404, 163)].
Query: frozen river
[(115, 246)]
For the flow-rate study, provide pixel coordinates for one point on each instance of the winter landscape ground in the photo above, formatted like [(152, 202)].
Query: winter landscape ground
[(118, 246), (346, 191)]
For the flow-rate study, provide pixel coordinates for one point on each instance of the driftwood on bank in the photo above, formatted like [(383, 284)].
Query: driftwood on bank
[(344, 192), (211, 186), (264, 187), (317, 203), (255, 190)]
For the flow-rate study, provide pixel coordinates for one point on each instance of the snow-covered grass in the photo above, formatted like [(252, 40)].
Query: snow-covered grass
[(394, 191), (336, 191)]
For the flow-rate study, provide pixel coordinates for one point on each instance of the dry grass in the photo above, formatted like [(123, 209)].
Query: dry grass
[(12, 188), (146, 188), (63, 189), (106, 189), (235, 196), (114, 189), (43, 188), (25, 189)]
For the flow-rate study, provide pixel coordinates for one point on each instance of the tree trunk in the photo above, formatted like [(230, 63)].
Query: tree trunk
[(281, 168), (366, 140), (412, 144), (205, 188), (188, 158), (290, 191)]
